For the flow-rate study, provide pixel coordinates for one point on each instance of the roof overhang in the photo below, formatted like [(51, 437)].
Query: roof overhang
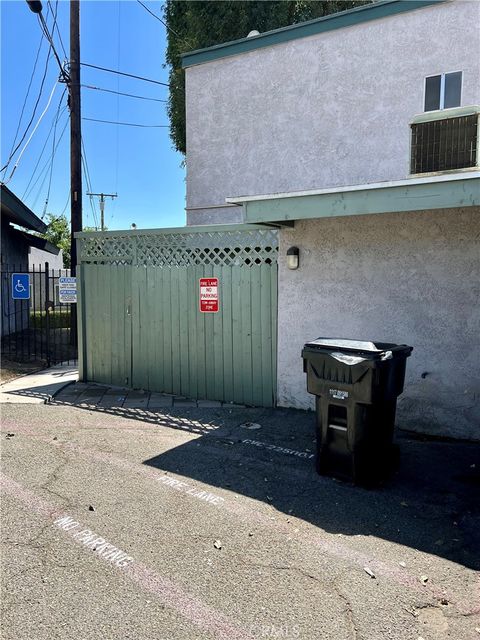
[(349, 18), (35, 241), (415, 194), (14, 210)]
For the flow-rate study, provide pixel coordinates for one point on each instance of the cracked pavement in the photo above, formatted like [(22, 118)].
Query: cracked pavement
[(230, 532)]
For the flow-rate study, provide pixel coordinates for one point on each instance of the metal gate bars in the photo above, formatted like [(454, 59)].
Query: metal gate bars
[(140, 318), (35, 325)]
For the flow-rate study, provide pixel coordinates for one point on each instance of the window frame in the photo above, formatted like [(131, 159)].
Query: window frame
[(442, 90)]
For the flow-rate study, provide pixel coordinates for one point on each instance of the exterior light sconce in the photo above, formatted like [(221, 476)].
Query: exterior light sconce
[(293, 258)]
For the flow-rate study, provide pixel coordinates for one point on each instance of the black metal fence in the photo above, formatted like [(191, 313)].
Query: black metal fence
[(37, 328)]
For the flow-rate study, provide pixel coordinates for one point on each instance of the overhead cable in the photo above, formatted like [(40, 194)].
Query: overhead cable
[(55, 25), (121, 93), (163, 22), (33, 131), (40, 91), (129, 124), (54, 123), (122, 73), (26, 95)]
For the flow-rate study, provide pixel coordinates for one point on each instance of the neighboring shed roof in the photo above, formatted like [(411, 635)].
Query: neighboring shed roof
[(14, 210), (35, 241), (348, 18)]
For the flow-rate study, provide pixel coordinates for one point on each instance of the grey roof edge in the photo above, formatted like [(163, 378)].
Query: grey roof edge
[(38, 242), (23, 215), (351, 17)]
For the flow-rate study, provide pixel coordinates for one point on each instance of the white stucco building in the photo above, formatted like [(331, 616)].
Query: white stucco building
[(357, 135)]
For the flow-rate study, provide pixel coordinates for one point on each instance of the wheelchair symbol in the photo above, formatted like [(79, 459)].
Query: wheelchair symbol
[(20, 286)]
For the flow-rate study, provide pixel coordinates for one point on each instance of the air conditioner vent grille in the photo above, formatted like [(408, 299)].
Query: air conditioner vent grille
[(443, 145)]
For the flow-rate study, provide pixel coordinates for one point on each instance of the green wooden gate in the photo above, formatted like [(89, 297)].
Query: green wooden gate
[(140, 323)]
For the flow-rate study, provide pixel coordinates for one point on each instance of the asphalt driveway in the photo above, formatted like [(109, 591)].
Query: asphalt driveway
[(178, 522)]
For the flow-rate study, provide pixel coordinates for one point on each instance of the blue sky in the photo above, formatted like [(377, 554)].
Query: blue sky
[(139, 164)]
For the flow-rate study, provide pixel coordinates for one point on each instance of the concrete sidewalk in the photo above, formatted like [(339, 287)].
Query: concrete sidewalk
[(38, 388), (106, 397)]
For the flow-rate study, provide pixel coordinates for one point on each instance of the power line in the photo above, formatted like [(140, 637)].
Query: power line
[(52, 156), (122, 73), (32, 133), (129, 124), (44, 27), (160, 20), (54, 123), (33, 114), (26, 196), (89, 183), (27, 94), (121, 93), (55, 24)]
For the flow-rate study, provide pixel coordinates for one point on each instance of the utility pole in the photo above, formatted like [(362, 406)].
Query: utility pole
[(75, 132), (102, 197), (72, 80)]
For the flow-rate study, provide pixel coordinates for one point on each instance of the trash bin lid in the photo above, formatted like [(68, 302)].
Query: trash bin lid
[(340, 343), (372, 350)]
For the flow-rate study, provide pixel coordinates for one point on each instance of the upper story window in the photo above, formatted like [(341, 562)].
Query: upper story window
[(443, 91)]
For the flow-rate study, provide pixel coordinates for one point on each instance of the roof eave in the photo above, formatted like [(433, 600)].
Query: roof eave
[(349, 18)]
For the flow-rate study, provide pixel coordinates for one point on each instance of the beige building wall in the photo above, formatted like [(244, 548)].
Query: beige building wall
[(409, 278), (324, 111)]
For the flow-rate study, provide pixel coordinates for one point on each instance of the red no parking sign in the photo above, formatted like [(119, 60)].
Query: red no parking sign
[(209, 295)]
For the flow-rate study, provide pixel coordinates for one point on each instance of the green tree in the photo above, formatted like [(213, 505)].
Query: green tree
[(58, 233), (196, 24)]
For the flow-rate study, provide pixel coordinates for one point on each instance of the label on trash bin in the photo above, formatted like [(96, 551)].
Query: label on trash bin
[(209, 295), (338, 394)]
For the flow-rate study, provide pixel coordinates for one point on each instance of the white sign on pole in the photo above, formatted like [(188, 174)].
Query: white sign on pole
[(67, 290)]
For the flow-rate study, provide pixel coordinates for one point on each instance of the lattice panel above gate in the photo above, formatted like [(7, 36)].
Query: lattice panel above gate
[(217, 248)]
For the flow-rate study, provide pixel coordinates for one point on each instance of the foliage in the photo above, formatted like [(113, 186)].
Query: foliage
[(57, 319), (197, 24), (58, 233)]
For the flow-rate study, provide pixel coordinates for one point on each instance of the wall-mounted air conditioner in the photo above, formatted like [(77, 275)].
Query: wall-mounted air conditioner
[(446, 140)]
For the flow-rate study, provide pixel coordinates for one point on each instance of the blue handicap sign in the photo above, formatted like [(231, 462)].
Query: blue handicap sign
[(20, 286)]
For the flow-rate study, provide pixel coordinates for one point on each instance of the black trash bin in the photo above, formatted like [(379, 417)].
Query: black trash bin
[(356, 385)]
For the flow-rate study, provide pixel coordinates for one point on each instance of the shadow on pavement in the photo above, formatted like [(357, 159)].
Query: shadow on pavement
[(431, 503)]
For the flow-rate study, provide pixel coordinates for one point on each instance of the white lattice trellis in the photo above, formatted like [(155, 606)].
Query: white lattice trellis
[(217, 248)]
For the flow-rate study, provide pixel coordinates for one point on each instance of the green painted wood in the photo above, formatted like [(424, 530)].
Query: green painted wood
[(184, 345), (464, 192), (166, 344), (246, 335), (209, 346), (167, 337), (175, 329), (125, 309), (324, 24), (81, 325), (256, 372), (192, 333), (115, 321), (201, 350), (266, 336), (218, 342), (226, 311), (274, 326), (237, 342)]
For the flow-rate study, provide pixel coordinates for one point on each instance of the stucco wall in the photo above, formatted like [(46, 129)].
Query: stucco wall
[(328, 110), (408, 278)]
